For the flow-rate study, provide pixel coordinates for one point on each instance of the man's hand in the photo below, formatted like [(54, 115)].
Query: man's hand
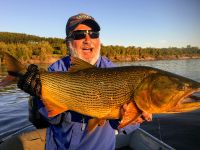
[(30, 81)]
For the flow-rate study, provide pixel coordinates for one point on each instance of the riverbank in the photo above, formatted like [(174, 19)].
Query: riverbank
[(130, 59), (50, 60)]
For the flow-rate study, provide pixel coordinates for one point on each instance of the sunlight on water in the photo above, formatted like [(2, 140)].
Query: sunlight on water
[(189, 68), (13, 109)]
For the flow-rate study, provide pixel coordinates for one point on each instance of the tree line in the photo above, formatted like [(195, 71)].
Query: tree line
[(131, 53), (26, 47)]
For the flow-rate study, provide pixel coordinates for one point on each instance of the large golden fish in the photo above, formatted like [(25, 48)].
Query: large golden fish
[(100, 92)]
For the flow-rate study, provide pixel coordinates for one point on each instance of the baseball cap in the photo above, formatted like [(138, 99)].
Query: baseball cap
[(74, 21)]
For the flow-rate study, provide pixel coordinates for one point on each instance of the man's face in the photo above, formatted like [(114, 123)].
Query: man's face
[(87, 48)]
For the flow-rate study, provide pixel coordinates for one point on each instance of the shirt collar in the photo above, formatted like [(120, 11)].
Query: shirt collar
[(97, 64)]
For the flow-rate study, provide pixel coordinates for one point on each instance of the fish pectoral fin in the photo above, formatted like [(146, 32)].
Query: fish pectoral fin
[(130, 115), (102, 122), (52, 103), (53, 112), (54, 109), (94, 122)]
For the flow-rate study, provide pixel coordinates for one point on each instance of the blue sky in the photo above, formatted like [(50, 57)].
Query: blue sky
[(144, 23)]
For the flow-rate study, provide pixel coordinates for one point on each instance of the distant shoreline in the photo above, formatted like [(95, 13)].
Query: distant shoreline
[(52, 59), (127, 59)]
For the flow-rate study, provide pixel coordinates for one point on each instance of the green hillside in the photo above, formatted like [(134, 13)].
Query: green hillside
[(29, 47)]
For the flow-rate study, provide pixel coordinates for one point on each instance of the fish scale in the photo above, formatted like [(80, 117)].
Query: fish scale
[(92, 91)]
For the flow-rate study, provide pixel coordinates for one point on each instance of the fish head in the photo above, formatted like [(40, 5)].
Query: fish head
[(164, 92)]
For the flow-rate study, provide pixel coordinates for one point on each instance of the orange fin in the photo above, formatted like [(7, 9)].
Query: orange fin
[(131, 114), (102, 122), (93, 123), (13, 66), (55, 110), (79, 64), (52, 104)]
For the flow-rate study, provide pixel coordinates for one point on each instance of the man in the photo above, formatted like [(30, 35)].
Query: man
[(68, 130)]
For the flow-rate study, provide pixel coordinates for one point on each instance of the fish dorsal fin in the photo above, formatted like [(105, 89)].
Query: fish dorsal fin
[(78, 64)]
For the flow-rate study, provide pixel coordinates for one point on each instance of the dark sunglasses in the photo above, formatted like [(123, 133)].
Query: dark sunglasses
[(81, 34)]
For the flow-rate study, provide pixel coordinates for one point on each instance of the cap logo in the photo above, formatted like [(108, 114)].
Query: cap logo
[(82, 16)]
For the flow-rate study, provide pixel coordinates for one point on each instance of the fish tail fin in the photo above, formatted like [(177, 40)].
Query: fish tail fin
[(14, 68)]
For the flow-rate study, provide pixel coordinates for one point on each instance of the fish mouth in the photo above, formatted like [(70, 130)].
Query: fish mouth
[(195, 97), (189, 102)]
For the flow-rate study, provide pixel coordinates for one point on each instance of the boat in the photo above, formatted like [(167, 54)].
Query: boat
[(140, 140), (136, 140)]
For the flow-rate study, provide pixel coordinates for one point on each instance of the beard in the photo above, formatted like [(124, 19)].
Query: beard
[(92, 60)]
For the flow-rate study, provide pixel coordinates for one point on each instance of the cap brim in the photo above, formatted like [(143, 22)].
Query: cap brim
[(91, 23)]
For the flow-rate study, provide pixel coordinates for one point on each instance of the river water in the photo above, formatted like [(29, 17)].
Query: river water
[(14, 107)]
